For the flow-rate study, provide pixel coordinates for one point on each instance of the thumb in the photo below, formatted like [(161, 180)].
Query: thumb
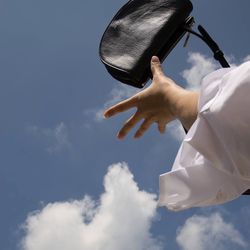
[(156, 66)]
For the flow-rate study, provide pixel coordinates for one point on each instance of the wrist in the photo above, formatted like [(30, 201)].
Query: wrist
[(187, 108)]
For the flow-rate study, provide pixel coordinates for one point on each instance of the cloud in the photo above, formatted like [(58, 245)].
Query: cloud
[(176, 130), (205, 233), (200, 67), (120, 220), (118, 93), (56, 139)]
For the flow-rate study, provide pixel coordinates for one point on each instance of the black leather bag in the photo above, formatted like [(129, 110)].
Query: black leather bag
[(141, 29)]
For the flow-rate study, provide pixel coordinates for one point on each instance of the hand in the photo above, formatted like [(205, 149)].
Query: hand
[(160, 103)]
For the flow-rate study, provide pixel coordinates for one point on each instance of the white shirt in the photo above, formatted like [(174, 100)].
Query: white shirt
[(213, 162)]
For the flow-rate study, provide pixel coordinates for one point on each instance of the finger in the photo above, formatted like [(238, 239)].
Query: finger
[(162, 127), (144, 127), (156, 66), (130, 123), (121, 107)]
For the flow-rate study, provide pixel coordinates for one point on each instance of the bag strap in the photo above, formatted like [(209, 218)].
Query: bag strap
[(205, 37)]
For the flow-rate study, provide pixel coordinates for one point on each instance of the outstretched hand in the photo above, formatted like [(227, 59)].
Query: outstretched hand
[(159, 103)]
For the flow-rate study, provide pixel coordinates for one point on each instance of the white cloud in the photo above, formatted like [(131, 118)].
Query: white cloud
[(120, 220), (206, 233), (57, 138), (118, 93), (200, 67), (176, 130)]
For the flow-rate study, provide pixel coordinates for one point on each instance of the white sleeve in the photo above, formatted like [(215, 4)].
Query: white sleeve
[(213, 162)]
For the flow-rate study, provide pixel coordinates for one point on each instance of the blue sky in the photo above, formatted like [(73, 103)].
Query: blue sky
[(55, 148)]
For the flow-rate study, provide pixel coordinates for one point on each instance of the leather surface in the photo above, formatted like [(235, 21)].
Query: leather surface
[(141, 29)]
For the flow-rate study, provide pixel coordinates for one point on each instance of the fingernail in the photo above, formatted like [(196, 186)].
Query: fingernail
[(105, 115), (155, 59), (119, 136)]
